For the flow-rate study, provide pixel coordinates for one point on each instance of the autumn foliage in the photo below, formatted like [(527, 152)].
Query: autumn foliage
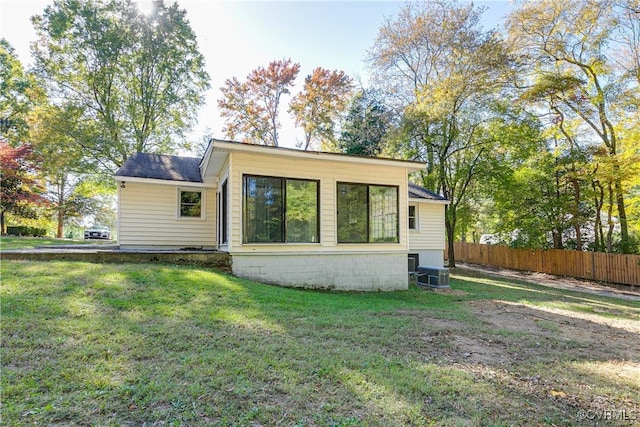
[(316, 108), (19, 189), (251, 107)]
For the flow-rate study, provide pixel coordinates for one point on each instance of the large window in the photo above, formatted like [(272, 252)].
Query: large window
[(280, 210), (367, 213), (190, 204)]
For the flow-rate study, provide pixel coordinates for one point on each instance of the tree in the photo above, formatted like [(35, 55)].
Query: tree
[(20, 192), (251, 108), (447, 74), (199, 147), (366, 125), (316, 108), (68, 176), (566, 46), (627, 16), (19, 91), (139, 79)]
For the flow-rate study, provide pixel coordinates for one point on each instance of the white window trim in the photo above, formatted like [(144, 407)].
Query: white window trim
[(203, 204), (416, 216)]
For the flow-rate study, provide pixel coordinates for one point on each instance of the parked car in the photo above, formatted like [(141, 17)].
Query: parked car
[(97, 232)]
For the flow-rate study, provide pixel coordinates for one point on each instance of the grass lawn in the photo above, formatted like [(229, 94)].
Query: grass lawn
[(9, 243), (131, 344)]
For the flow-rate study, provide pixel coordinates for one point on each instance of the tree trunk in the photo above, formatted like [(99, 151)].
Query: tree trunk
[(61, 184), (610, 221), (557, 238), (2, 229), (450, 225), (60, 231), (577, 220), (598, 244), (451, 249), (625, 245), (557, 231)]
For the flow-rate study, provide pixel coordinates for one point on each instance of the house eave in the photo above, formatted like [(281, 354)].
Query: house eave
[(434, 201), (175, 183), (230, 146)]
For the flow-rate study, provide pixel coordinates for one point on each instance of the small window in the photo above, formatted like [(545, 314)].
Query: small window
[(190, 204), (413, 224)]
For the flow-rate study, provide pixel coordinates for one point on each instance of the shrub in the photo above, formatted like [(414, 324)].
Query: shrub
[(23, 230)]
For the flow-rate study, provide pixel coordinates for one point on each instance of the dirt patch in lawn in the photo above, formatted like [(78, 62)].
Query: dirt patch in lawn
[(559, 358), (629, 292), (542, 332), (507, 333)]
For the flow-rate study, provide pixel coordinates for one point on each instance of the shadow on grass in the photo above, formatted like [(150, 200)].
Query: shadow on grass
[(135, 344)]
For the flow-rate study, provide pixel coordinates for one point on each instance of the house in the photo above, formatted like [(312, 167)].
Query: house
[(426, 227), (286, 216)]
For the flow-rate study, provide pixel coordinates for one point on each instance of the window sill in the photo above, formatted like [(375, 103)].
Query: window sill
[(280, 244), (368, 243), (191, 218)]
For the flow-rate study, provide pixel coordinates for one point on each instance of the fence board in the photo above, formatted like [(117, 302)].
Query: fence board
[(612, 268)]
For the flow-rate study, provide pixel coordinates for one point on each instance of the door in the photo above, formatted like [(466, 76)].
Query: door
[(222, 219)]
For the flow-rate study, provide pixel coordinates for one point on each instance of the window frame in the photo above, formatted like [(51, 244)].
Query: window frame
[(202, 192), (416, 225), (283, 201), (368, 213), (222, 198)]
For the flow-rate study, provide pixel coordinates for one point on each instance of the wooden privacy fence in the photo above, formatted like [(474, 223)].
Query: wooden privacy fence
[(612, 268)]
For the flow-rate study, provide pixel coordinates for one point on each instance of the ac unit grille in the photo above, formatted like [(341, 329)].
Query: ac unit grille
[(433, 277)]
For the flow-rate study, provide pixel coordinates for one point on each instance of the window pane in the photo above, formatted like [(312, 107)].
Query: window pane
[(412, 217), (190, 203), (383, 208), (302, 211), (352, 213), (264, 209)]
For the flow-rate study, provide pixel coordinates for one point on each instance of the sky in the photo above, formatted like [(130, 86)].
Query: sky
[(237, 37)]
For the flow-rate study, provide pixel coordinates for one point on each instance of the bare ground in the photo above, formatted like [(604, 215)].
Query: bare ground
[(629, 292), (560, 359), (553, 363)]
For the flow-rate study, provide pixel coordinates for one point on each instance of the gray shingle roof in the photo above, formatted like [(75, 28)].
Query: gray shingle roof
[(417, 192), (161, 166)]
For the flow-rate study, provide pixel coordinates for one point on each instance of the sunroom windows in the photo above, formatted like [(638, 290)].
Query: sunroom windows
[(286, 210), (367, 213), (280, 210)]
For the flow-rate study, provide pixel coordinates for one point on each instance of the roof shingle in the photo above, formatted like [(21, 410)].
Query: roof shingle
[(417, 192), (161, 166)]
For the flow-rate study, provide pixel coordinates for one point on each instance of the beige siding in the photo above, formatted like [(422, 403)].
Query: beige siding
[(328, 173), (148, 216), (430, 233)]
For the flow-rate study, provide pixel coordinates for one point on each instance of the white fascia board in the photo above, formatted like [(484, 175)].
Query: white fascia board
[(125, 179), (204, 162), (411, 166), (437, 202)]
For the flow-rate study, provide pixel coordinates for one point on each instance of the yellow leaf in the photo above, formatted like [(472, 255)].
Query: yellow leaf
[(558, 393)]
